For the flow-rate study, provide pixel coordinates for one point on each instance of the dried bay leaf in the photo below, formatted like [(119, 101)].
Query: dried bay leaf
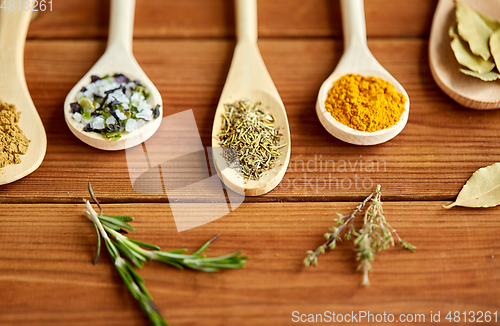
[(493, 24), (495, 47), (474, 30), (489, 76), (481, 190), (469, 60)]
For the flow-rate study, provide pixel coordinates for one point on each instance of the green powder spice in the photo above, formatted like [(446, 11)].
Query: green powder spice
[(13, 143)]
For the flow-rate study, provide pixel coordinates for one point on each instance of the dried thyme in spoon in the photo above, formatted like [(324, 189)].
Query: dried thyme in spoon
[(112, 228), (250, 138)]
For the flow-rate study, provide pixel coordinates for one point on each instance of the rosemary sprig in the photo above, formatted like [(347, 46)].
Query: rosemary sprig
[(133, 282), (111, 229), (375, 235)]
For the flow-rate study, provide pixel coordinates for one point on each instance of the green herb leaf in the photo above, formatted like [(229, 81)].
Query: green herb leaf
[(334, 236), (91, 191), (111, 225), (145, 245), (408, 246), (86, 104), (205, 246), (474, 30), (98, 249), (112, 135), (481, 190), (128, 254), (116, 222), (120, 217)]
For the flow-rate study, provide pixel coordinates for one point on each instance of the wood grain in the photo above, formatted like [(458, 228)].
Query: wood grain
[(442, 145), (88, 19), (48, 278), (185, 47)]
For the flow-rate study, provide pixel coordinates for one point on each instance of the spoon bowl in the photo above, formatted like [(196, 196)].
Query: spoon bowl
[(118, 58), (13, 90), (357, 59), (465, 90), (249, 79)]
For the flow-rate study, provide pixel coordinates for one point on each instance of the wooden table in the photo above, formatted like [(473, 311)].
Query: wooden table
[(47, 245)]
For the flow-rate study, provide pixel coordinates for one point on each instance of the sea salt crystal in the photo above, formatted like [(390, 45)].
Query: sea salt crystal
[(136, 99), (120, 115), (89, 92), (110, 121), (97, 122), (144, 106), (119, 96), (107, 87), (140, 123), (146, 114), (77, 116), (131, 125)]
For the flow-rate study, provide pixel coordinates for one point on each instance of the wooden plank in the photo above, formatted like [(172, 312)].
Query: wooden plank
[(442, 145), (47, 275), (215, 19)]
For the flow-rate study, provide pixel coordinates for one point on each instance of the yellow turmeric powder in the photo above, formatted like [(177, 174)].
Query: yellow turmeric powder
[(365, 103)]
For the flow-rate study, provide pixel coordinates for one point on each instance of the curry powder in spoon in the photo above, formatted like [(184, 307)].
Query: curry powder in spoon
[(365, 103)]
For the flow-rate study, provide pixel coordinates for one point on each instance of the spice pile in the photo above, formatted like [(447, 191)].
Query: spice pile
[(365, 103), (13, 143), (112, 105), (249, 138), (476, 43)]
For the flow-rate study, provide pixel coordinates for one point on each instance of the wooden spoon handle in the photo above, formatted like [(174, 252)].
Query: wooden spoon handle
[(246, 20), (13, 29), (121, 24), (353, 23)]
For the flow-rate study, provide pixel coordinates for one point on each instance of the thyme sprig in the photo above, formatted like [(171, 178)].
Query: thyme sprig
[(334, 236), (374, 236), (112, 230)]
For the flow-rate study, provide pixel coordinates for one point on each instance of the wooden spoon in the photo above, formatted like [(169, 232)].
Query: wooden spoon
[(249, 79), (357, 59), (118, 58), (465, 90), (13, 90)]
